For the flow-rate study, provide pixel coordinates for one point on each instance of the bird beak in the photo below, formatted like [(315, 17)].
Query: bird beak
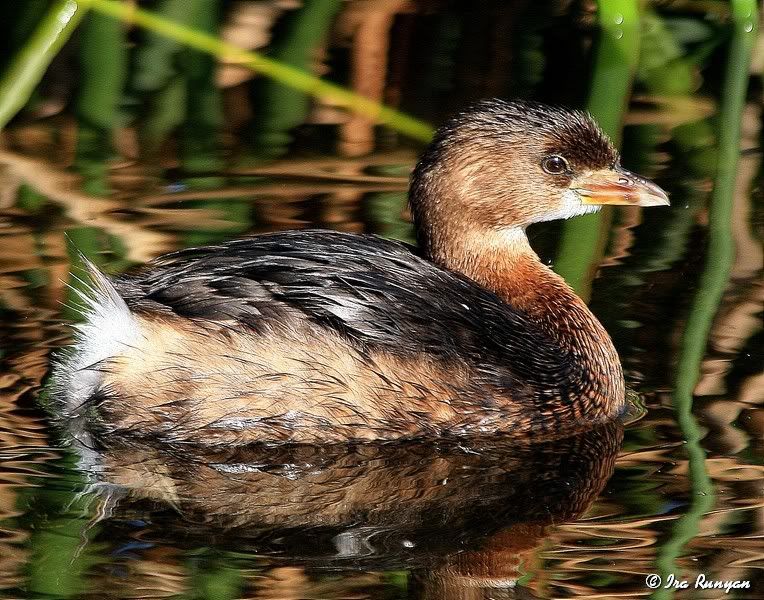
[(618, 186)]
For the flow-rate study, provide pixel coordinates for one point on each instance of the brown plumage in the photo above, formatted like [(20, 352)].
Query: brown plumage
[(314, 336)]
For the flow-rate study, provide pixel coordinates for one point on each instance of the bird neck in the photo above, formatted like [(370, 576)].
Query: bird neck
[(504, 262)]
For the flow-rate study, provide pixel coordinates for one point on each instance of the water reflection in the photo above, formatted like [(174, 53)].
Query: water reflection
[(468, 515), (173, 127)]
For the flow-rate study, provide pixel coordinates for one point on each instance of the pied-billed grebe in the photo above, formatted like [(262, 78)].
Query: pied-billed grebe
[(320, 336)]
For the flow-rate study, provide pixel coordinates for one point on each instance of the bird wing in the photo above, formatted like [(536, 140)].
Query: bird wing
[(376, 293)]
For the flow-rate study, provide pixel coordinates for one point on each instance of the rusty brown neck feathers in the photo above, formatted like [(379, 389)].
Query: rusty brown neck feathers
[(502, 260)]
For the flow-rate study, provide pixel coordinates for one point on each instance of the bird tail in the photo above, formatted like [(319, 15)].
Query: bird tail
[(107, 328)]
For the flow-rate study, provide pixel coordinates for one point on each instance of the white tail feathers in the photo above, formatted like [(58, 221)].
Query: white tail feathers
[(108, 329)]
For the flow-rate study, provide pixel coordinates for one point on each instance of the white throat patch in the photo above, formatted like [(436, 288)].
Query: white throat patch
[(571, 206)]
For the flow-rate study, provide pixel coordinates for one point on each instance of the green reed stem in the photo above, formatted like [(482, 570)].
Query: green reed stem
[(28, 66), (615, 63), (286, 74), (200, 151), (713, 281), (103, 64), (279, 109), (103, 67)]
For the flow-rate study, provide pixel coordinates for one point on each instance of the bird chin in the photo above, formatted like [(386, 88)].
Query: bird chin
[(571, 206)]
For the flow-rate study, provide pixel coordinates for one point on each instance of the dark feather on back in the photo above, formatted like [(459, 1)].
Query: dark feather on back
[(374, 292)]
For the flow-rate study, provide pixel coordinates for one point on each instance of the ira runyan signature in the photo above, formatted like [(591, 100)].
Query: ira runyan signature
[(654, 581)]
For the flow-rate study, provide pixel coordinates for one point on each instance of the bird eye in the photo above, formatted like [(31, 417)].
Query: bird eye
[(555, 165)]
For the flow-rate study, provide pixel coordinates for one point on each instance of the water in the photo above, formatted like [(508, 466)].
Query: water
[(676, 491)]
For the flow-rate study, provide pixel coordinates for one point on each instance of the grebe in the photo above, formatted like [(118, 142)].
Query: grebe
[(319, 336)]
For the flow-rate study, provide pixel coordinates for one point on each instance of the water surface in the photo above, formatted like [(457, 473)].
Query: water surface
[(677, 491)]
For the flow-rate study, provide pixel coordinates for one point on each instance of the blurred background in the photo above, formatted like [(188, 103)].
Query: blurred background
[(130, 129)]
